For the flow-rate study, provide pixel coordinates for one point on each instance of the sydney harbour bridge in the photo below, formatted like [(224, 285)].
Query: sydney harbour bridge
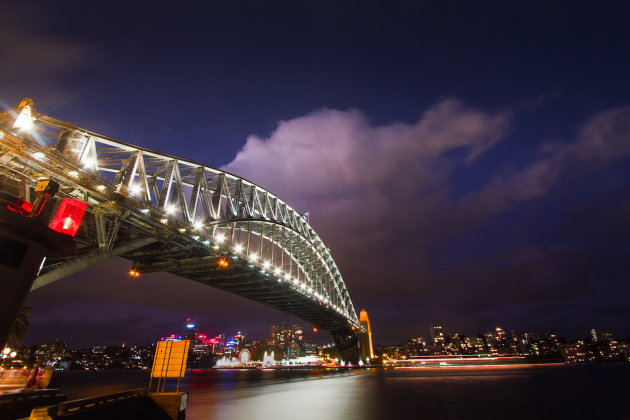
[(168, 214)]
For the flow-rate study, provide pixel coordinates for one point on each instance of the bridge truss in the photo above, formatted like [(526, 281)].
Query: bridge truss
[(169, 214)]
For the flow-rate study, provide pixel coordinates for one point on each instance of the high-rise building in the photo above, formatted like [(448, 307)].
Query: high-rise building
[(191, 332), (437, 335), (287, 339)]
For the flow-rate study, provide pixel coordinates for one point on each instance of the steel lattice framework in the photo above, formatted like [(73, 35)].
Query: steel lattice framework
[(169, 214)]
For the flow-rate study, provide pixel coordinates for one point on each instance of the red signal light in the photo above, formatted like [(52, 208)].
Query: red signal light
[(68, 218), (21, 207)]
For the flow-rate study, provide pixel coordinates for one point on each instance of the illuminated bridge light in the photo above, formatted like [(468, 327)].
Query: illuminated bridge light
[(266, 264), (238, 248), (198, 225), (220, 238), (89, 163), (164, 221), (170, 210), (73, 174), (100, 187), (68, 218), (134, 189)]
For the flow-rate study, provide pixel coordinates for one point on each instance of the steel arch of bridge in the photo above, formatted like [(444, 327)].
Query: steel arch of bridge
[(170, 214)]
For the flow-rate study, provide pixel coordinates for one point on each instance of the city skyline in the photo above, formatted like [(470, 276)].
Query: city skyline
[(464, 164)]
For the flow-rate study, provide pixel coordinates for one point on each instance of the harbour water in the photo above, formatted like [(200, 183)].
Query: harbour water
[(507, 392)]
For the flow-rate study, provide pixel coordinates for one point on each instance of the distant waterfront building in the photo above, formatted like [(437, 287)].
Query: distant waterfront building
[(287, 339), (437, 335), (191, 332), (475, 345)]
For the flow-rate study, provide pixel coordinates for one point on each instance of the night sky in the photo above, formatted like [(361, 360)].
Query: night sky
[(467, 163)]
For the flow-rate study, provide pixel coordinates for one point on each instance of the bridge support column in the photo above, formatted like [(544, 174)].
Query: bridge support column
[(347, 343), (24, 243)]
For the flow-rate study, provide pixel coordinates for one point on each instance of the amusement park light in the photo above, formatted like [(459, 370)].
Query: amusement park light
[(145, 211), (181, 230), (73, 174), (215, 247), (39, 155), (164, 221), (100, 187), (7, 350)]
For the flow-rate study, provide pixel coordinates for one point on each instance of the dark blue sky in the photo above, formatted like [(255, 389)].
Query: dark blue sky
[(467, 162)]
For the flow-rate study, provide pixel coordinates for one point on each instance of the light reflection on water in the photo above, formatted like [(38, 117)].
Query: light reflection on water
[(315, 398), (539, 392)]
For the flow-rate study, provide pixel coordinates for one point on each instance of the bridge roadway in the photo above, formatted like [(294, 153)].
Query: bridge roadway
[(168, 214)]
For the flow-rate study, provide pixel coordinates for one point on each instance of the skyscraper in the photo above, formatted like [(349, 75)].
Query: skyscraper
[(287, 339)]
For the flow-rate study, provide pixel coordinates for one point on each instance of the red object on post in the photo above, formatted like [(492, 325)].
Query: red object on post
[(69, 216)]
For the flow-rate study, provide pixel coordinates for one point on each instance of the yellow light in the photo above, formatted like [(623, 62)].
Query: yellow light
[(24, 120)]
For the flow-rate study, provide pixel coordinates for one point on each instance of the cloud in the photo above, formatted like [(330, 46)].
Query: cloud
[(408, 246), (360, 180), (604, 138), (38, 63)]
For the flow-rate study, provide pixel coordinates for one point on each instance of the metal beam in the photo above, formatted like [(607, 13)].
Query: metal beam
[(83, 263)]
